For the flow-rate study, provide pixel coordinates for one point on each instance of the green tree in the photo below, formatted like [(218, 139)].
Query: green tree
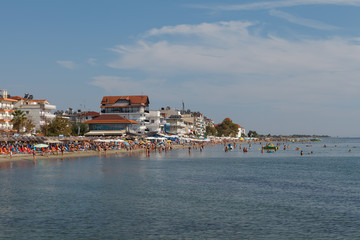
[(227, 128), (29, 125), (84, 128), (58, 126), (210, 131), (19, 117), (252, 134)]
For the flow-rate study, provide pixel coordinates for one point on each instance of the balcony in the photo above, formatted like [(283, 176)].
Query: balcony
[(2, 117), (49, 107), (47, 115)]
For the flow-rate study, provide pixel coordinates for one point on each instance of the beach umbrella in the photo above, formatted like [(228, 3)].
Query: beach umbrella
[(41, 145)]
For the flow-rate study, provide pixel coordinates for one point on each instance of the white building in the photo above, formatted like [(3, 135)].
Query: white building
[(241, 131), (6, 110), (38, 111), (199, 125), (154, 121), (133, 108), (175, 125), (84, 116)]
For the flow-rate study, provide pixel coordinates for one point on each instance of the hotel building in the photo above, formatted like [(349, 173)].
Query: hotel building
[(134, 108), (6, 110), (38, 111)]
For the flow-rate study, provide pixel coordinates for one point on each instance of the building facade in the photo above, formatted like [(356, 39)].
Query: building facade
[(241, 131), (84, 116), (109, 125), (155, 122), (134, 108), (6, 110), (38, 111)]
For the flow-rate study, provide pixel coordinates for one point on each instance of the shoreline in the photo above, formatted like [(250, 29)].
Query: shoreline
[(77, 154)]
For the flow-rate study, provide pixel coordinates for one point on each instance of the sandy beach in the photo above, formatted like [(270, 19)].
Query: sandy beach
[(76, 154)]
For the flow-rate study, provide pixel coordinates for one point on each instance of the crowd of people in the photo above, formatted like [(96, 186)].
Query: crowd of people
[(48, 148), (100, 146)]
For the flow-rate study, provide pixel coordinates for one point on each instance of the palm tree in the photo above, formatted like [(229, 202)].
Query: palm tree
[(18, 119)]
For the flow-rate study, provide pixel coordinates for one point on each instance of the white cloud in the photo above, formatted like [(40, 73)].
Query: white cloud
[(302, 21), (206, 29), (232, 64), (230, 48), (67, 64), (279, 4)]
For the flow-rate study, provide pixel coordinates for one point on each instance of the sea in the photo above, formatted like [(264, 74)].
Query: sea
[(209, 194)]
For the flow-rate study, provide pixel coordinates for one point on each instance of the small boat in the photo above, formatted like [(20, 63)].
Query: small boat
[(270, 146)]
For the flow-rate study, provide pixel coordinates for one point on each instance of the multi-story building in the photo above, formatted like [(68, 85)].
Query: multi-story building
[(81, 117), (38, 111), (175, 125), (6, 110), (133, 108), (189, 122), (154, 121), (200, 127)]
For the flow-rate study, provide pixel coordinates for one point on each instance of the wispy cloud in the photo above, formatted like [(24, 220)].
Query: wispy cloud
[(302, 21), (236, 64), (201, 29), (234, 58), (278, 4), (67, 64), (232, 49)]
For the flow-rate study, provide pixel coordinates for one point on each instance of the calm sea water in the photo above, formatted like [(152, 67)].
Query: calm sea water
[(204, 195)]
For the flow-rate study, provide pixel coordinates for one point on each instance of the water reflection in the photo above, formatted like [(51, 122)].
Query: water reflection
[(15, 164)]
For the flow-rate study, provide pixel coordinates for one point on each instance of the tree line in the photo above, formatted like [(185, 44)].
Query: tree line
[(55, 127)]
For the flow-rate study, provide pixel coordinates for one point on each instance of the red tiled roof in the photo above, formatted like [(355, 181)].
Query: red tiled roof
[(7, 110), (124, 106), (17, 98), (110, 118), (139, 99), (8, 99), (90, 113)]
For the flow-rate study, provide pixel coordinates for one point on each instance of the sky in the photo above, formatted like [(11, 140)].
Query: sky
[(275, 67)]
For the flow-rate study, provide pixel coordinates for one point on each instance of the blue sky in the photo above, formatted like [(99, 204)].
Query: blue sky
[(278, 67)]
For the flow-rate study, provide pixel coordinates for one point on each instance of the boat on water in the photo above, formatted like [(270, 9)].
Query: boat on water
[(270, 146), (315, 139)]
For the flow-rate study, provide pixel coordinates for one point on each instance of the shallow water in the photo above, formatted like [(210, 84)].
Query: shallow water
[(177, 195)]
